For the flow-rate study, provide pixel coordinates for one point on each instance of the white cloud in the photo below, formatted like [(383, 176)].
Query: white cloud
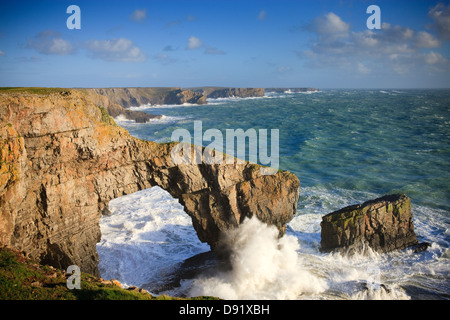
[(194, 43), (441, 17), (331, 25), (426, 40), (138, 15), (2, 53), (434, 58), (394, 48), (50, 42), (262, 15), (362, 68), (122, 50)]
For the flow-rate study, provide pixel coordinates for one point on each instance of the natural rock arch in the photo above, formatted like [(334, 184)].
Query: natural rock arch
[(63, 160)]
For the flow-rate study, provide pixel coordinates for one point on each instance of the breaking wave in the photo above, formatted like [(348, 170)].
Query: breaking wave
[(263, 266)]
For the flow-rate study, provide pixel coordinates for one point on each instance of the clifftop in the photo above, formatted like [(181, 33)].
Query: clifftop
[(219, 92), (134, 97), (24, 279), (117, 100)]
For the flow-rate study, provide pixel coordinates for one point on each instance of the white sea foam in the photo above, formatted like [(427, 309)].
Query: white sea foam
[(218, 101), (263, 267), (148, 232), (371, 275), (121, 119), (167, 119), (162, 106), (397, 275)]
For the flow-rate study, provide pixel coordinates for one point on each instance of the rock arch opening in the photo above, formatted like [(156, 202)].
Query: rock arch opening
[(146, 235)]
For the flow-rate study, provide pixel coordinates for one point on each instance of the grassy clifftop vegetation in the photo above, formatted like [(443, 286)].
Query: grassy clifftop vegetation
[(24, 279)]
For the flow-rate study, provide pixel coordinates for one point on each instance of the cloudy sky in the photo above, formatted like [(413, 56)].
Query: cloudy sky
[(246, 43)]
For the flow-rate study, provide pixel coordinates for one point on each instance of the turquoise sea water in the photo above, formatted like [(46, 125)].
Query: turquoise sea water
[(346, 147)]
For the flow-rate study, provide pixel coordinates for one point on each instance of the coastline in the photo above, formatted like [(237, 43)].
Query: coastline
[(104, 129)]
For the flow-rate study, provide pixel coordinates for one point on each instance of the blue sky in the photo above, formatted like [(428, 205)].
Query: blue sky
[(247, 43)]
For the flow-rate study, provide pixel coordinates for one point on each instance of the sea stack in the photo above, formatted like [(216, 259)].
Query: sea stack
[(385, 224)]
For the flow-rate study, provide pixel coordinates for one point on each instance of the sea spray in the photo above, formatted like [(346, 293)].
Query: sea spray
[(263, 266), (146, 234)]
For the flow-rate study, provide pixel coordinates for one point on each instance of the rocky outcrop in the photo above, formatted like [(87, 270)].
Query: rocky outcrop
[(215, 92), (63, 159), (115, 110), (180, 96), (135, 97), (117, 100), (384, 224)]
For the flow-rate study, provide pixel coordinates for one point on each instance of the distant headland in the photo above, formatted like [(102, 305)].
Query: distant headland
[(119, 99)]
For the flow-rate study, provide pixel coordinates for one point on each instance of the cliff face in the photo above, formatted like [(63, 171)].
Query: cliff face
[(116, 110), (213, 92), (134, 97), (63, 160)]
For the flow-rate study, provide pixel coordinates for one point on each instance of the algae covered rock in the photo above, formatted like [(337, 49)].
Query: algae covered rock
[(385, 224)]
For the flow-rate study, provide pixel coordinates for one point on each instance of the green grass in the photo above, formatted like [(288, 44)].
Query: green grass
[(24, 279), (34, 90), (106, 118)]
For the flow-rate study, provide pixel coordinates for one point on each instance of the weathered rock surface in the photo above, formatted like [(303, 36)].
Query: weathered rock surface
[(129, 97), (385, 224), (214, 92), (117, 100), (283, 90), (116, 110), (134, 97), (63, 160)]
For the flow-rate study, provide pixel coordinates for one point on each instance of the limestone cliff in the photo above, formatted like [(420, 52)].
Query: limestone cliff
[(116, 110), (63, 159), (219, 92), (134, 97)]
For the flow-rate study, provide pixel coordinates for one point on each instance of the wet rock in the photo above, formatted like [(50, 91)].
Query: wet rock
[(202, 264), (384, 224), (420, 247), (215, 93)]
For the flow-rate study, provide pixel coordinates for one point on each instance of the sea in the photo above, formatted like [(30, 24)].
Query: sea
[(346, 147)]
